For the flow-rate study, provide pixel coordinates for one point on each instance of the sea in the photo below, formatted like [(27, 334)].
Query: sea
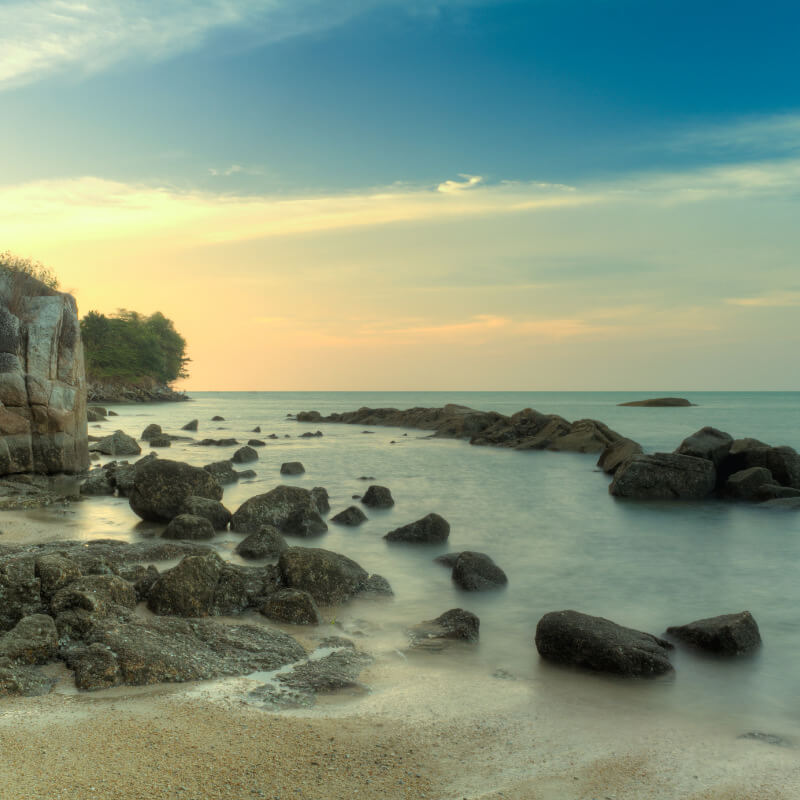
[(545, 518)]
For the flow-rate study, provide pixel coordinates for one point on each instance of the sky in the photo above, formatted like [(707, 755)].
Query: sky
[(408, 195)]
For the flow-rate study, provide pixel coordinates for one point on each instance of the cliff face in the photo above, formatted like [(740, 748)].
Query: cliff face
[(42, 380)]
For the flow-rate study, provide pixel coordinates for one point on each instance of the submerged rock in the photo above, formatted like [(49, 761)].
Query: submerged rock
[(330, 578), (222, 472), (431, 529), (290, 509), (189, 526), (190, 426), (378, 497), (244, 454), (455, 624), (476, 572), (728, 634), (580, 640), (292, 468), (294, 606), (351, 516), (664, 476), (659, 402), (212, 510), (265, 543)]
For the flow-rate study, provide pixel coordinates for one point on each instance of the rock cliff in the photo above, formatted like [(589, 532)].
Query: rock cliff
[(42, 380)]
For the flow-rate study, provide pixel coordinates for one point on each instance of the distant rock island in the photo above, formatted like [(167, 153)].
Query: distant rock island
[(659, 402)]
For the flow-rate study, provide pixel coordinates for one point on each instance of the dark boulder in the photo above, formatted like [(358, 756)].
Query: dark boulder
[(161, 441), (245, 474), (292, 468), (222, 472), (782, 462), (782, 504), (265, 543), (352, 516), (330, 578), (664, 476), (256, 443), (212, 510), (431, 529), (54, 572), (295, 606), (728, 634), (659, 402), (455, 624), (161, 487), (747, 483), (19, 589), (774, 491), (569, 637), (377, 497), (187, 590), (150, 432), (190, 426), (321, 499), (117, 444), (217, 418), (476, 572), (97, 483), (189, 527), (257, 429), (141, 577), (709, 443), (617, 453), (33, 640), (244, 454), (216, 443), (310, 435), (291, 509), (377, 585), (96, 594)]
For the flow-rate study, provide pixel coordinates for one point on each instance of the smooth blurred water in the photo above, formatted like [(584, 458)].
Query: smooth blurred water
[(546, 518)]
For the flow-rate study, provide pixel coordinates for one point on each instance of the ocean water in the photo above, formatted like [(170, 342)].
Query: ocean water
[(546, 518)]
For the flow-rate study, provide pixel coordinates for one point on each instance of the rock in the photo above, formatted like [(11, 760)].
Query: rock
[(782, 462), (217, 418), (291, 509), (431, 529), (216, 443), (94, 593), (664, 476), (20, 679), (141, 577), (292, 468), (352, 516), (161, 487), (295, 606), (150, 432), (245, 474), (330, 578), (256, 443), (19, 589), (447, 559), (161, 441), (223, 472), (257, 429), (43, 415), (244, 454), (190, 426), (617, 453), (187, 590), (747, 483), (33, 640), (309, 435), (97, 483), (728, 634), (117, 444), (95, 667), (321, 499), (709, 443), (265, 543), (774, 491), (569, 637), (164, 649), (212, 510), (782, 503), (377, 497), (455, 624), (55, 572), (378, 585), (189, 526), (659, 402), (121, 474), (476, 572), (92, 415)]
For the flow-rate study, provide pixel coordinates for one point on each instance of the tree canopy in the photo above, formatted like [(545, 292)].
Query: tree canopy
[(130, 347)]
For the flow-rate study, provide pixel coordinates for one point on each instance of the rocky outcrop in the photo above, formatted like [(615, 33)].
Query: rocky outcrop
[(580, 640), (378, 497), (659, 402), (265, 543), (295, 606), (664, 476), (351, 516), (292, 468), (728, 634), (617, 453), (291, 509), (144, 391), (455, 624), (330, 578), (43, 425), (189, 526), (476, 572), (525, 430), (116, 444), (431, 529)]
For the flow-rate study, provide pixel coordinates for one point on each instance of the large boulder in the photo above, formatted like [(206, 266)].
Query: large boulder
[(782, 462), (94, 593), (187, 590), (291, 509), (295, 606), (576, 639), (378, 497), (747, 484), (476, 572), (330, 578), (161, 488), (98, 482), (351, 516), (728, 634), (55, 571), (189, 526), (43, 420), (664, 476), (265, 543), (223, 472), (292, 468), (244, 454), (455, 624), (117, 444), (20, 589), (33, 640), (152, 431), (617, 453), (212, 510), (431, 529), (709, 443)]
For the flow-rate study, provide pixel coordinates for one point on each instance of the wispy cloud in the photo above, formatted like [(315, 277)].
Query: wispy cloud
[(781, 299), (449, 187)]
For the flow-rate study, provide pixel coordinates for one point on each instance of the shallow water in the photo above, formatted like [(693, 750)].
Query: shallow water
[(546, 518)]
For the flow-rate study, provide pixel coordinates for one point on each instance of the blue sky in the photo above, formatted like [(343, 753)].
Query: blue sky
[(620, 160)]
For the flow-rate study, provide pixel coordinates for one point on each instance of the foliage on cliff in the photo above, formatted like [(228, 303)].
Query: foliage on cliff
[(9, 262), (130, 348)]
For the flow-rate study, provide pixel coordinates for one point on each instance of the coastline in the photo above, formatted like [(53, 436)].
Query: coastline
[(141, 392)]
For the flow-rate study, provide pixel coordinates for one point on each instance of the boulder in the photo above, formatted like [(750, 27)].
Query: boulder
[(664, 476), (216, 443), (190, 426), (747, 483), (782, 504), (352, 516), (92, 415), (187, 590), (20, 589), (330, 578), (141, 577), (256, 443), (659, 402), (377, 497), (431, 529), (94, 593), (774, 491), (378, 585), (161, 487), (292, 468), (217, 418), (223, 472), (295, 606), (617, 453), (245, 474), (580, 640), (55, 572), (98, 482), (321, 499), (290, 509), (257, 429), (782, 462), (190, 527), (244, 454), (212, 510), (117, 444), (21, 679), (161, 441), (709, 443), (455, 624), (265, 543), (728, 634), (476, 572), (33, 640), (150, 432), (310, 435)]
